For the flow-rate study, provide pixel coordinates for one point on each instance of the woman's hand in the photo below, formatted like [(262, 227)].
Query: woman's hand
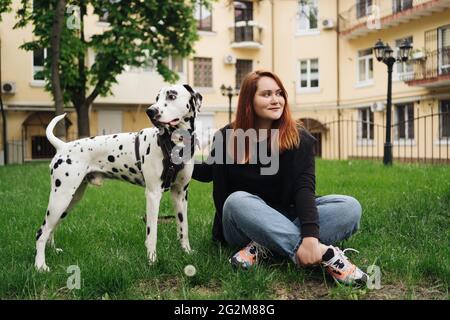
[(310, 252)]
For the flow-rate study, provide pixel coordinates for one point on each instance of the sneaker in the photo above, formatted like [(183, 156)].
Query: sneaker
[(248, 257), (341, 269)]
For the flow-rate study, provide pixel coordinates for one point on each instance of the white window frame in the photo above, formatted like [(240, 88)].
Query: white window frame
[(360, 139), (397, 74), (308, 89), (408, 140), (308, 30), (440, 45), (34, 69), (367, 81)]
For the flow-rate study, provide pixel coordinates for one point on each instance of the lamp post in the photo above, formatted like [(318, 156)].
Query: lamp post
[(384, 53), (230, 93)]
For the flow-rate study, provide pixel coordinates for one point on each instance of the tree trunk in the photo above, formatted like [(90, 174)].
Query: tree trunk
[(55, 46), (83, 120)]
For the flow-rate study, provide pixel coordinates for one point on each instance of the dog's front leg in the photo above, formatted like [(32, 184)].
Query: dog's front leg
[(179, 198), (153, 200)]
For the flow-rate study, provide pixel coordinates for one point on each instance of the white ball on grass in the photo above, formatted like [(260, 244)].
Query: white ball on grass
[(190, 270)]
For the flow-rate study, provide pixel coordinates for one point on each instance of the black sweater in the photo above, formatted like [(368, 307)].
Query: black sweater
[(297, 170)]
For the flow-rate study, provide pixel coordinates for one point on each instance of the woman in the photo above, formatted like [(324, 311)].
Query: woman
[(277, 212)]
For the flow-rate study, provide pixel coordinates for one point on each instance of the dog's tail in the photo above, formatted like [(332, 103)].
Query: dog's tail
[(57, 143)]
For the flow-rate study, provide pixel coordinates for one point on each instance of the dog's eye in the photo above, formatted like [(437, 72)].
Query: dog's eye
[(171, 97)]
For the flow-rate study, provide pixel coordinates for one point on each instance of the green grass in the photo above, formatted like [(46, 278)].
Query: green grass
[(405, 230)]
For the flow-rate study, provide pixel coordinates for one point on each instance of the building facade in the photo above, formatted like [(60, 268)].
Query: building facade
[(322, 51)]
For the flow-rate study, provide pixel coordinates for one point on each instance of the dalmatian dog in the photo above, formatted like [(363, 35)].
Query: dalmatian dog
[(149, 158)]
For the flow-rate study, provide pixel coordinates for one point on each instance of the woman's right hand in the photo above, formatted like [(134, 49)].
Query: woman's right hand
[(310, 252)]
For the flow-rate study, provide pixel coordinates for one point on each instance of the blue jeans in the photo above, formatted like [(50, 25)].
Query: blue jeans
[(247, 217)]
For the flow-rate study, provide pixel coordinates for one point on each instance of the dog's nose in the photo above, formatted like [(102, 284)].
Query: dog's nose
[(152, 113)]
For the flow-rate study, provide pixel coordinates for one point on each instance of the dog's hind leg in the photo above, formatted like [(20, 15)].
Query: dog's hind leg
[(61, 197), (153, 200), (77, 197), (179, 198)]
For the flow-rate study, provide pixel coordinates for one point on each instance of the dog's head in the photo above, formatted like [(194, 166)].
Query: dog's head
[(175, 107)]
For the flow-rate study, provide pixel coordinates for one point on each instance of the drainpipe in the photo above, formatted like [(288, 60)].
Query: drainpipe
[(338, 71), (5, 146), (273, 35)]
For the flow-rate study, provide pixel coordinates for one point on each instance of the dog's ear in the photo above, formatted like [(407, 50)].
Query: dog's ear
[(189, 88), (199, 100)]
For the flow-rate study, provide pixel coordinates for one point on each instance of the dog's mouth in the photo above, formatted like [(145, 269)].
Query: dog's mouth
[(171, 123)]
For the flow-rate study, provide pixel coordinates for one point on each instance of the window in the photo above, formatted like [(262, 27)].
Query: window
[(401, 5), (39, 57), (243, 67), (203, 16), (365, 66), (203, 72), (444, 130), (175, 64), (404, 68), (365, 124), (404, 121), (363, 8), (307, 15), (243, 11), (309, 73), (444, 50)]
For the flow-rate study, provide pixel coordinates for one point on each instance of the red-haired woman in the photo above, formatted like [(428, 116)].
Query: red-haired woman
[(276, 212)]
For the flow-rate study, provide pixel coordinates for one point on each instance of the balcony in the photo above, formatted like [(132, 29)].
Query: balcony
[(372, 15), (246, 35), (430, 71)]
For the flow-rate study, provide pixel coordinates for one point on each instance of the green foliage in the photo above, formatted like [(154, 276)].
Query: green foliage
[(139, 33), (5, 6)]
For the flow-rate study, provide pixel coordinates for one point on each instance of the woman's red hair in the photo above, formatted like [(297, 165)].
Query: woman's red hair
[(289, 137)]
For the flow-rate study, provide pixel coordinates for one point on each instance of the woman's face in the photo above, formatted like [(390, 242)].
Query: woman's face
[(268, 102)]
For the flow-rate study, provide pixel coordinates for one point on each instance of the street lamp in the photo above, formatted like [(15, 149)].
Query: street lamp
[(230, 93), (384, 53)]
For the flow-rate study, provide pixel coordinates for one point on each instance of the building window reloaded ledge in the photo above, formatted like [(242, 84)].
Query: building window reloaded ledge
[(37, 83), (364, 84)]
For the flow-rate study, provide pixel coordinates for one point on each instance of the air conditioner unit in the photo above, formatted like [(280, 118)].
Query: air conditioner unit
[(378, 106), (327, 24), (8, 87), (229, 59)]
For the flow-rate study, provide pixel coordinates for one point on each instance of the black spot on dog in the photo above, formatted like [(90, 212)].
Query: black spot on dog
[(43, 224), (187, 106), (120, 147), (115, 136), (148, 150), (124, 177), (133, 171), (38, 234), (125, 165), (180, 216), (67, 174), (115, 170), (48, 212), (186, 195), (51, 171), (181, 236), (138, 165), (57, 182), (55, 166), (59, 161), (69, 161), (186, 186), (111, 158), (64, 215), (92, 138), (148, 230), (138, 181), (145, 138), (186, 119), (142, 159)]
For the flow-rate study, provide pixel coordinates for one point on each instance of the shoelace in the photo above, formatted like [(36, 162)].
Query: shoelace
[(260, 251)]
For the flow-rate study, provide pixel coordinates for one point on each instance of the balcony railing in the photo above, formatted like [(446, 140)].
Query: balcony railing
[(246, 34), (371, 16), (432, 70)]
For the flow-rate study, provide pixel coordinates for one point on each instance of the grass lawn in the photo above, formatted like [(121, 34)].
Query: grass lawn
[(405, 230)]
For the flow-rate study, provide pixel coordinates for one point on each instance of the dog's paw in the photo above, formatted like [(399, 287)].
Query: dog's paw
[(187, 248), (151, 258), (42, 268)]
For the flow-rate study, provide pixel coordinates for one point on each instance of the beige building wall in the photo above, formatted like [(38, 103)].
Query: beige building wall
[(279, 46)]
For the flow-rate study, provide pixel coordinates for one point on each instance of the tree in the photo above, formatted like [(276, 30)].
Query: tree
[(139, 33)]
